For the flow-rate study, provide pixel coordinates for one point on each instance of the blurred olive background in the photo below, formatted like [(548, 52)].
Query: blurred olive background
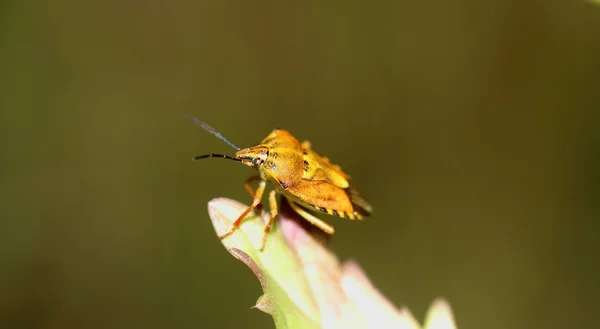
[(471, 126)]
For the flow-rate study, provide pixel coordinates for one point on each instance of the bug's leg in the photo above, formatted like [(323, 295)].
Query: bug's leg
[(273, 209), (255, 202), (309, 217), (248, 186)]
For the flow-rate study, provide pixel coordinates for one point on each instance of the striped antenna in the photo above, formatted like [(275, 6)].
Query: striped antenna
[(210, 129)]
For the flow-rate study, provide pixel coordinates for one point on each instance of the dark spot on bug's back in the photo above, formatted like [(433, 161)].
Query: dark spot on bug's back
[(274, 155), (305, 152), (305, 165), (322, 209), (334, 212), (272, 165)]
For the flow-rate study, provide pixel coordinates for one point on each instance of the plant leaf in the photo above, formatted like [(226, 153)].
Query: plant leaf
[(304, 283), (287, 296)]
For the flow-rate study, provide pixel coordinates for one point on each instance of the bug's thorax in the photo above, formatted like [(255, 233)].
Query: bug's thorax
[(278, 158)]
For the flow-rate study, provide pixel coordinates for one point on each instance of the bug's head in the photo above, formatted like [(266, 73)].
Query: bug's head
[(253, 156)]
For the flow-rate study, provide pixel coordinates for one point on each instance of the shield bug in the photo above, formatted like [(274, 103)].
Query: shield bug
[(305, 178)]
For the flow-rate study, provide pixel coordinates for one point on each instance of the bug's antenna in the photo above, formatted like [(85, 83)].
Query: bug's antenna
[(210, 129), (213, 155)]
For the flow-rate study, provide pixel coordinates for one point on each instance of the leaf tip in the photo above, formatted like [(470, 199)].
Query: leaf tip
[(265, 303), (439, 315)]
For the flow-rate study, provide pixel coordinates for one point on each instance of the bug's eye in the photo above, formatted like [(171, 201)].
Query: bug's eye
[(257, 161)]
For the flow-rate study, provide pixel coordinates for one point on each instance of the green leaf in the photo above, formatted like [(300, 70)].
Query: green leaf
[(304, 284), (287, 296)]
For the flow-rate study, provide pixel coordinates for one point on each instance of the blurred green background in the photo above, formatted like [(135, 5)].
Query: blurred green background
[(472, 127)]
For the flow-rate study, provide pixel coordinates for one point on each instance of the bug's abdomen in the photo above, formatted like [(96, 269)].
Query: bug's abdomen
[(341, 214), (324, 197)]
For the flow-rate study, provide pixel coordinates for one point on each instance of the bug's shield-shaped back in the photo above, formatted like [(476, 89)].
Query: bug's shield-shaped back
[(318, 167), (321, 194)]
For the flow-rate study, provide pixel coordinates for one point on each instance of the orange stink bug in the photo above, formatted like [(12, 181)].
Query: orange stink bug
[(305, 178)]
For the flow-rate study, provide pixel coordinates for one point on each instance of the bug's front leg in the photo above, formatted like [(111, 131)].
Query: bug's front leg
[(255, 202), (273, 210), (248, 187)]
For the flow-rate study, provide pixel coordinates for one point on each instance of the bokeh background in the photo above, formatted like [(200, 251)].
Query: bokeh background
[(472, 127)]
